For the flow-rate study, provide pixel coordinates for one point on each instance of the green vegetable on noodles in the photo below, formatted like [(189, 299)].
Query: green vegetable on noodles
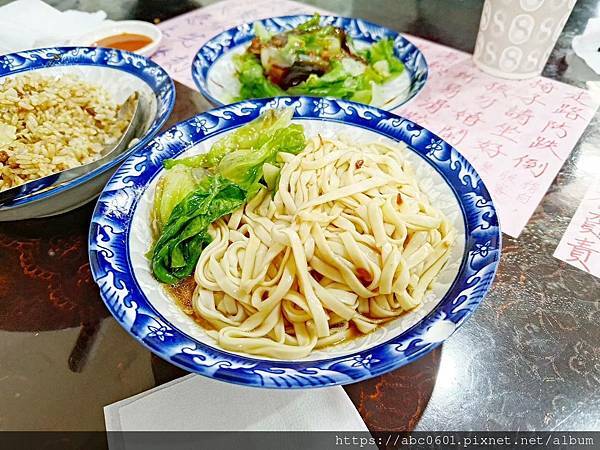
[(251, 136), (196, 191), (261, 131), (271, 174), (245, 166), (171, 189), (186, 233)]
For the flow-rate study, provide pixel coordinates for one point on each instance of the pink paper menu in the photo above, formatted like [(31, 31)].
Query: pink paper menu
[(517, 134), (580, 245)]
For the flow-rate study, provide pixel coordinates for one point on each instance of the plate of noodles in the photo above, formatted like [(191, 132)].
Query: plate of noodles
[(59, 109), (321, 56), (294, 242)]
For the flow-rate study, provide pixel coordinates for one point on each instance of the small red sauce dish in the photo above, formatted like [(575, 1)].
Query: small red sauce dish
[(130, 35)]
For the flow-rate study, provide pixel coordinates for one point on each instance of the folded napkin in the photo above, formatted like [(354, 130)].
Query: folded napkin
[(587, 45), (196, 403), (27, 24)]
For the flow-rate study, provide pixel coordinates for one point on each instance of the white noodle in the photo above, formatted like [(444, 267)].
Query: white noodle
[(348, 242)]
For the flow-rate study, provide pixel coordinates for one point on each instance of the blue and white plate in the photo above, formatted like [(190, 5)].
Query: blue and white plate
[(120, 236), (214, 72), (120, 73)]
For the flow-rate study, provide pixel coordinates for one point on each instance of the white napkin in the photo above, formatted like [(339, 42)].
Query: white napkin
[(586, 45), (196, 403), (27, 24)]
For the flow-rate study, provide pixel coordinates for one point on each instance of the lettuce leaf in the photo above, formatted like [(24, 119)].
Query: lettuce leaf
[(251, 136), (254, 83), (245, 166), (339, 83), (335, 83), (185, 235), (311, 38), (262, 33), (311, 24), (383, 50), (171, 189), (196, 191), (271, 174)]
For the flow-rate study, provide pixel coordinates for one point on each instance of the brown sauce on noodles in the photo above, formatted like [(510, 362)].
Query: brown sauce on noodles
[(182, 293)]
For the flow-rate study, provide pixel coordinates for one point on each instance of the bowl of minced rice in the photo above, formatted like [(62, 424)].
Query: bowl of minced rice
[(60, 110), (48, 125)]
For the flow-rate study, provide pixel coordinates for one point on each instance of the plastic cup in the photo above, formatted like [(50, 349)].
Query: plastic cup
[(516, 36)]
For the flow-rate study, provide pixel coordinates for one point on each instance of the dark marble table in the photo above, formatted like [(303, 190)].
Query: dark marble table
[(528, 359)]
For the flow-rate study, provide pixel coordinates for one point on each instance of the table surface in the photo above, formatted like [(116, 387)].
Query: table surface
[(528, 359)]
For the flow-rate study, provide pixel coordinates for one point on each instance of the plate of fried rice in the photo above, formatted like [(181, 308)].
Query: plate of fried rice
[(60, 108)]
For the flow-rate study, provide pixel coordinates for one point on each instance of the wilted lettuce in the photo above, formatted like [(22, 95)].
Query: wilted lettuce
[(254, 83), (314, 59), (261, 32), (347, 79), (249, 137), (171, 189), (196, 191), (383, 50), (245, 166), (185, 234)]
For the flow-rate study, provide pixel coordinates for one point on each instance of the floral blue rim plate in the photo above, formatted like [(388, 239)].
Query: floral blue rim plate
[(120, 220), (118, 71), (213, 73)]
